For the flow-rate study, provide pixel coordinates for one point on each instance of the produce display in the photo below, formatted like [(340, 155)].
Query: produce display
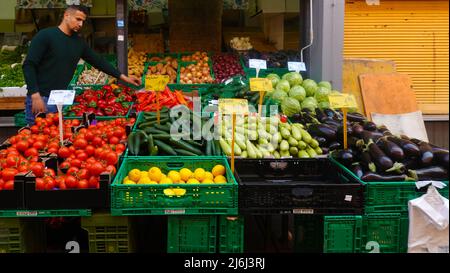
[(261, 137), (165, 66), (241, 43), (154, 175), (110, 100), (277, 59), (11, 74), (136, 61), (91, 75), (146, 100), (198, 72), (226, 66), (153, 139)]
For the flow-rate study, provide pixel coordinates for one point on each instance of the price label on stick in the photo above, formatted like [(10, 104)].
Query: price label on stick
[(236, 106), (62, 97), (342, 101), (296, 66), (260, 84), (156, 83), (257, 64)]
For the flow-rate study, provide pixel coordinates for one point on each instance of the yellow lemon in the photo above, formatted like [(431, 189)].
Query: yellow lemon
[(209, 176), (129, 182), (166, 181), (179, 192), (153, 182), (174, 176), (192, 181), (181, 182), (185, 174), (144, 180), (199, 174), (125, 179), (220, 179), (155, 174), (134, 175), (218, 170), (207, 181), (144, 173)]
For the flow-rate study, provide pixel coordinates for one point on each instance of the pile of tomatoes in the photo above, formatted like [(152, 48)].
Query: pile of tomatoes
[(94, 150)]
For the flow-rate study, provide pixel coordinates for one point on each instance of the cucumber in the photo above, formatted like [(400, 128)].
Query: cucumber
[(154, 131), (208, 147), (162, 136), (150, 144), (184, 145), (194, 143), (162, 127), (163, 147)]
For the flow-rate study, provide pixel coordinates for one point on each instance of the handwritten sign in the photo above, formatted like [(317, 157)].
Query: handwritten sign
[(62, 97), (342, 101), (296, 66), (233, 106), (156, 83), (257, 64), (260, 84)]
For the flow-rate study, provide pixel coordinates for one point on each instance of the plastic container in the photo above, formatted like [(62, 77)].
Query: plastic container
[(192, 234), (108, 234), (296, 186), (231, 234), (152, 199), (342, 234), (22, 236), (388, 197)]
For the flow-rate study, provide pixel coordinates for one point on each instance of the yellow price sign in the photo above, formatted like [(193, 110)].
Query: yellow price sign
[(342, 101), (233, 106), (156, 83), (260, 84)]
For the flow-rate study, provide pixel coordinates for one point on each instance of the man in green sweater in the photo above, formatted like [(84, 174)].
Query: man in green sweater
[(52, 59)]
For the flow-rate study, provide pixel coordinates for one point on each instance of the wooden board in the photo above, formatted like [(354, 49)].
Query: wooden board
[(387, 93), (353, 67), (12, 103)]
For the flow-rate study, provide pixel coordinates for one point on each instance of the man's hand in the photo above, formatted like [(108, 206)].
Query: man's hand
[(37, 104), (132, 80)]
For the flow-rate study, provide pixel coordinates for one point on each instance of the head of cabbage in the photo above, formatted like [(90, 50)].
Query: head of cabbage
[(325, 84), (322, 94), (310, 103), (278, 95), (274, 78), (324, 105), (290, 106), (298, 93), (294, 78), (310, 87), (283, 85)]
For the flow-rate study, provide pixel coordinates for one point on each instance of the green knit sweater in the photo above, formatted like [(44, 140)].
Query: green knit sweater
[(52, 59)]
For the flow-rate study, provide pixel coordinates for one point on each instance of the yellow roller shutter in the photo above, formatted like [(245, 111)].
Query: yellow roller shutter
[(414, 34)]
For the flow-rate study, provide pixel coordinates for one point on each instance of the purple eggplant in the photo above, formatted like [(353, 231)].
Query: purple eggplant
[(374, 177), (441, 158), (429, 173), (356, 117), (366, 161), (426, 153), (369, 126), (322, 130), (391, 149), (409, 148), (368, 135), (334, 146), (379, 157), (357, 129), (357, 170), (345, 156), (322, 141), (411, 163)]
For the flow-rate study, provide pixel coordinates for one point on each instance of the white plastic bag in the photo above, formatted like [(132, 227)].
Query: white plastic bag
[(428, 223)]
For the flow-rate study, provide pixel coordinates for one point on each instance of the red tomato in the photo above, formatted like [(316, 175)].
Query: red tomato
[(58, 180), (64, 165), (111, 169), (62, 185), (39, 145), (9, 185), (37, 168), (71, 182), (75, 163), (80, 143), (97, 141), (31, 152), (33, 159), (34, 129), (90, 150), (120, 148), (49, 172), (12, 161), (24, 167), (89, 136), (114, 140), (73, 171), (22, 145), (83, 184), (53, 150), (40, 185), (83, 174), (64, 152), (9, 173), (96, 168), (111, 158), (93, 182), (49, 183)]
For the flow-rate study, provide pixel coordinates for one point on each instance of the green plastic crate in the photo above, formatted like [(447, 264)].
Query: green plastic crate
[(85, 66), (387, 230), (231, 234), (19, 120), (79, 69), (388, 197), (192, 234), (150, 199), (108, 234), (342, 234), (308, 233), (22, 235)]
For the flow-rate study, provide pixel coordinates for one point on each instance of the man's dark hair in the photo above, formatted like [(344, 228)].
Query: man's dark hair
[(81, 8)]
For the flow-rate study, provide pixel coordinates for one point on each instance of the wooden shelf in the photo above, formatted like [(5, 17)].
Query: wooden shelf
[(12, 103)]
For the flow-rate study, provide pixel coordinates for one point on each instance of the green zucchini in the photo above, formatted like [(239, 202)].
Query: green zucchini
[(162, 127), (164, 147), (208, 147), (184, 145), (184, 152)]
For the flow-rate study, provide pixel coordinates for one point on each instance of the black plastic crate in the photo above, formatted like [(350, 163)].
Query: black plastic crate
[(13, 199), (296, 186)]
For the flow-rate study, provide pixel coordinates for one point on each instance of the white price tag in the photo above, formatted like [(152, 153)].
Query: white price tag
[(62, 97), (348, 198), (120, 38), (296, 66), (257, 64)]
